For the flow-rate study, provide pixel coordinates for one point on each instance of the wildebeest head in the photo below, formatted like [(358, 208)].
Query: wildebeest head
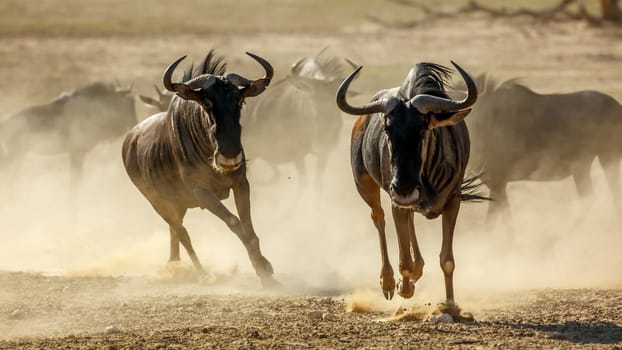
[(161, 103), (221, 98), (406, 122), (320, 75)]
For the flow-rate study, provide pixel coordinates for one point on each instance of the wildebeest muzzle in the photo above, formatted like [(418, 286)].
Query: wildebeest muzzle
[(226, 164)]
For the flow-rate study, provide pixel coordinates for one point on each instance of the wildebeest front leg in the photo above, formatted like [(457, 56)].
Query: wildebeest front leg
[(450, 214), (406, 287), (247, 235), (416, 253), (370, 192)]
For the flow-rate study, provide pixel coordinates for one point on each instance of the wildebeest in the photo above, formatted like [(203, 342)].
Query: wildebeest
[(412, 142), (192, 156), (522, 135), (161, 103), (74, 122), (300, 111)]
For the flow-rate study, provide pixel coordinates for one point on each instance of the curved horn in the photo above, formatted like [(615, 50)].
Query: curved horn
[(352, 64), (434, 104), (379, 106), (256, 87), (238, 80), (266, 66), (119, 89), (296, 66), (168, 74)]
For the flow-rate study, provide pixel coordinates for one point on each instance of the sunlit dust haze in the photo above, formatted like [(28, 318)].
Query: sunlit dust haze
[(316, 237)]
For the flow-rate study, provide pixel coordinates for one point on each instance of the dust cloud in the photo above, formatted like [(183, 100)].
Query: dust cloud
[(318, 237)]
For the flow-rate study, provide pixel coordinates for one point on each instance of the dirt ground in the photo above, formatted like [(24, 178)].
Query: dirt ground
[(89, 273)]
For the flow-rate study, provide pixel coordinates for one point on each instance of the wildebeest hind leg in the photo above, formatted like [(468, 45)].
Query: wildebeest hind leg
[(611, 167), (370, 192), (583, 181), (245, 232), (174, 216)]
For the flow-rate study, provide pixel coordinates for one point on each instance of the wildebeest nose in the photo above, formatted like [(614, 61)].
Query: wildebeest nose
[(402, 189), (229, 163)]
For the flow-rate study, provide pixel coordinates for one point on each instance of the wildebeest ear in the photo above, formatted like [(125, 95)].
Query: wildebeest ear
[(440, 120), (149, 101), (187, 93)]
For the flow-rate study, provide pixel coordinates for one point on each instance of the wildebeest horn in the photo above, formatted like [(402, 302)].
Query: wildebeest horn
[(120, 89), (379, 106), (168, 74), (266, 66), (183, 90), (433, 104), (256, 87), (352, 64), (296, 66), (238, 80)]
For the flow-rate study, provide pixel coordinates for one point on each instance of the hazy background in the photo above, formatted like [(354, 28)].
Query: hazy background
[(316, 237)]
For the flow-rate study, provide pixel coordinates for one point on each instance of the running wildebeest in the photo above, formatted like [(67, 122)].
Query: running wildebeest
[(74, 122), (163, 101), (192, 156), (300, 111), (522, 135), (412, 142)]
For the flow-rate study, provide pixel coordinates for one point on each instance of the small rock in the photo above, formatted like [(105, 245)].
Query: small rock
[(254, 333), (112, 329), (441, 318), (227, 309), (315, 315)]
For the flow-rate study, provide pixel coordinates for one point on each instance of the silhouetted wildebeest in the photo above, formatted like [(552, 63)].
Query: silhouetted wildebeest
[(412, 142), (299, 111), (163, 101), (522, 135), (192, 156), (74, 122)]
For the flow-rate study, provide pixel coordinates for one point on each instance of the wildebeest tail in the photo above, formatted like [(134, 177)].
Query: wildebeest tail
[(471, 189)]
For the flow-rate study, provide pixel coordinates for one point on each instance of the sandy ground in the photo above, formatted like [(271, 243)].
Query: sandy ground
[(71, 268), (136, 313)]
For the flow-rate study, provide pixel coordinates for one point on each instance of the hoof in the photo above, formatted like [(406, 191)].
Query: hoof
[(388, 294), (406, 290), (263, 267), (454, 311), (269, 283), (388, 287)]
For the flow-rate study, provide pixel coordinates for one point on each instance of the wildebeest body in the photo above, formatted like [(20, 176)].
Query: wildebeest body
[(521, 135), (411, 142), (73, 123), (192, 156)]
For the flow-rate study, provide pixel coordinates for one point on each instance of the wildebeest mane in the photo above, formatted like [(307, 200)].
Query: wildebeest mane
[(425, 78), (211, 64)]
